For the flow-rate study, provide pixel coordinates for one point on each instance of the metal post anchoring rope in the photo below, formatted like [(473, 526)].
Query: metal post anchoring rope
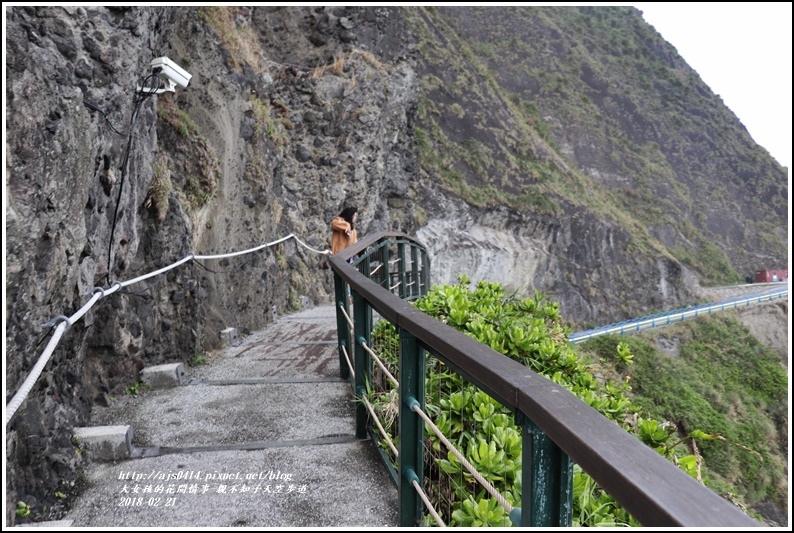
[(57, 320), (427, 503), (63, 323), (380, 427), (491, 490)]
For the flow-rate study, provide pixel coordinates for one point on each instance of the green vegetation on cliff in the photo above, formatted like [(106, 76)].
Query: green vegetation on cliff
[(536, 107), (717, 416), (722, 381)]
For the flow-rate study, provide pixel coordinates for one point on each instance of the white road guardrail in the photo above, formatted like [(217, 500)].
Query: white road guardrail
[(679, 315)]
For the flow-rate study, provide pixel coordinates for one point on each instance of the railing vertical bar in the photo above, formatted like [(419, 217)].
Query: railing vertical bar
[(565, 495), (340, 295), (547, 480), (366, 266), (401, 266), (383, 257), (390, 251), (425, 273), (414, 272), (362, 318), (411, 428)]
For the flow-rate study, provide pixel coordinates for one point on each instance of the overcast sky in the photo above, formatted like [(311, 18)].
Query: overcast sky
[(742, 51)]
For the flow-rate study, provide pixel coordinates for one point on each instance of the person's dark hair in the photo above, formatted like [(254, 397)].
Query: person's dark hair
[(347, 213)]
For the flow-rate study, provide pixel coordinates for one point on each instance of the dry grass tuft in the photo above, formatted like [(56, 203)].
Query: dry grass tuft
[(241, 43), (160, 188)]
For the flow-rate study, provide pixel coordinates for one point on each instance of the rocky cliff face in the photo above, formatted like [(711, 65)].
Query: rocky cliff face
[(541, 109), (291, 114), (573, 257), (286, 119)]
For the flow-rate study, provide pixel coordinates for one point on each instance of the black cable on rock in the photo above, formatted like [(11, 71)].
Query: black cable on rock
[(140, 96), (93, 107)]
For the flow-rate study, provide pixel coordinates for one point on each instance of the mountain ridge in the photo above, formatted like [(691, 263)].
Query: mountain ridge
[(590, 169)]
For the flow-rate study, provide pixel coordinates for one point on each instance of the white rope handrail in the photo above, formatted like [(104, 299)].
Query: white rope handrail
[(380, 364), (83, 310), (324, 252), (349, 321), (156, 272), (380, 427), (375, 269), (349, 364), (491, 490), (27, 385), (383, 432), (260, 247), (99, 293), (24, 390), (428, 504)]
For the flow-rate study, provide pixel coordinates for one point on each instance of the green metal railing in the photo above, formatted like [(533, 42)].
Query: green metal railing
[(381, 273)]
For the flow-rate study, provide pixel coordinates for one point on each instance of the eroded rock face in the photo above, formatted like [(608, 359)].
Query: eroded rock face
[(310, 110), (578, 260), (254, 149)]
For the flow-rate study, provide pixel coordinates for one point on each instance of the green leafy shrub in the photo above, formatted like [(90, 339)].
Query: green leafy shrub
[(23, 509), (199, 359), (724, 382), (136, 388), (530, 331)]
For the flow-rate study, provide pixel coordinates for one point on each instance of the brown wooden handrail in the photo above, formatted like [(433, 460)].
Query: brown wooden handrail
[(653, 490)]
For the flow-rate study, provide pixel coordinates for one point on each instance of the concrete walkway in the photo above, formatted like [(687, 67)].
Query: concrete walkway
[(262, 436)]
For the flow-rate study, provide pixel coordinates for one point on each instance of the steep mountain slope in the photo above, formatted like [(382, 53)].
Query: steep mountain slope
[(529, 146), (587, 114), (252, 150)]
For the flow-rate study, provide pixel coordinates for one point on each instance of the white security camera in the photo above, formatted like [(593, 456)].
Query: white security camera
[(169, 73)]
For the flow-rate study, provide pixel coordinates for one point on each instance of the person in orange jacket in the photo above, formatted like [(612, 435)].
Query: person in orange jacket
[(343, 231)]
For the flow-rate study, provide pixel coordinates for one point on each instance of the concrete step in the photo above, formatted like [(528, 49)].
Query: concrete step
[(261, 436)]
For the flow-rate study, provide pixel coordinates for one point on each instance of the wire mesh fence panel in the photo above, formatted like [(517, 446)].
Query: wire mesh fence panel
[(384, 392), (477, 462)]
